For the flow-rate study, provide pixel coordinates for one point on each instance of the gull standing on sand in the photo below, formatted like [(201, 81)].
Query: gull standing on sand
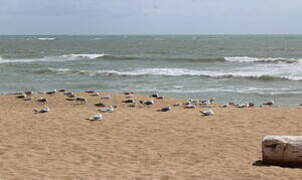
[(96, 94), (106, 97), (96, 117), (269, 103), (81, 99), (42, 100), (165, 109), (148, 102), (22, 96), (209, 112), (69, 94), (44, 110), (51, 92), (190, 106), (107, 109)]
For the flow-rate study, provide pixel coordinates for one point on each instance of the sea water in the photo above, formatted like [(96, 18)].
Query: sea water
[(240, 68)]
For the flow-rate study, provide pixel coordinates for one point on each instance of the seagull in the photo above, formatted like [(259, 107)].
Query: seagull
[(225, 105), (51, 92), (243, 105), (129, 101), (212, 99), (269, 103), (128, 93), (209, 112), (100, 104), (190, 106), (205, 103), (165, 109), (155, 95), (95, 94), (106, 97), (69, 94), (42, 100), (177, 104), (129, 96), (44, 110), (28, 98), (90, 91), (22, 96), (251, 104), (107, 109), (81, 99), (96, 117), (148, 102), (29, 93)]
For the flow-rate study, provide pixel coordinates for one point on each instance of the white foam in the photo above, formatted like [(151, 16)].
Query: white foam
[(97, 38), (181, 72), (86, 56), (62, 58), (246, 59), (46, 39)]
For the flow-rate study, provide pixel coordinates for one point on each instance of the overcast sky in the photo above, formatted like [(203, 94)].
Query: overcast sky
[(150, 16)]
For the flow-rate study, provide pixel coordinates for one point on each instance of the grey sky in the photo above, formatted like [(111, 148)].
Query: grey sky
[(150, 16)]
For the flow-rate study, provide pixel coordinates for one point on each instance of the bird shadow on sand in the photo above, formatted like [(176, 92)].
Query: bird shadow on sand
[(283, 165)]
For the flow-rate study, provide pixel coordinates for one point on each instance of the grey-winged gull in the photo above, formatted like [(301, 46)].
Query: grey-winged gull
[(96, 117), (209, 112)]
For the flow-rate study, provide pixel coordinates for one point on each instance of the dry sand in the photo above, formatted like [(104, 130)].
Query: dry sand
[(138, 142)]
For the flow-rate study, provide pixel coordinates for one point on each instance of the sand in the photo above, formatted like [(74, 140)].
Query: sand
[(138, 142)]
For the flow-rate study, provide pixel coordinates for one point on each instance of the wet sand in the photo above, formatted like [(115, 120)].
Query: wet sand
[(138, 142)]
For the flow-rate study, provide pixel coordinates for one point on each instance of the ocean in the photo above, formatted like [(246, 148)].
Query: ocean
[(240, 68)]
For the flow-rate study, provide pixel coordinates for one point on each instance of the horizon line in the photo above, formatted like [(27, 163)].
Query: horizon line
[(149, 34)]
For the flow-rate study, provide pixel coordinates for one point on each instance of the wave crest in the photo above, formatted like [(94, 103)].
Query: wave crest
[(246, 59), (47, 39), (173, 72), (82, 56), (103, 56)]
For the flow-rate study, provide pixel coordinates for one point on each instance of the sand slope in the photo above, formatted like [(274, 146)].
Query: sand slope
[(139, 142)]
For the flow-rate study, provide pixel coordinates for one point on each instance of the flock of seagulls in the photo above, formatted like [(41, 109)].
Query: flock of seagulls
[(129, 99)]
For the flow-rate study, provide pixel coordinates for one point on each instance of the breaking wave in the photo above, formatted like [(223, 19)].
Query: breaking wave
[(103, 56), (246, 59), (46, 39), (62, 58), (82, 56), (173, 72)]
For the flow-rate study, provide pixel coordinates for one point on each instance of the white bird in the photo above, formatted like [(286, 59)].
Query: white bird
[(106, 97), (209, 112), (96, 117), (165, 109), (243, 105), (225, 105), (107, 109), (44, 110), (95, 94), (190, 106)]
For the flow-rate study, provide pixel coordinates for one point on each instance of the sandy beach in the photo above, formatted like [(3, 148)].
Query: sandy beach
[(138, 142)]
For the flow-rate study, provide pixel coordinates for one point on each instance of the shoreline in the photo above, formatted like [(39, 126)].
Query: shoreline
[(138, 142)]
